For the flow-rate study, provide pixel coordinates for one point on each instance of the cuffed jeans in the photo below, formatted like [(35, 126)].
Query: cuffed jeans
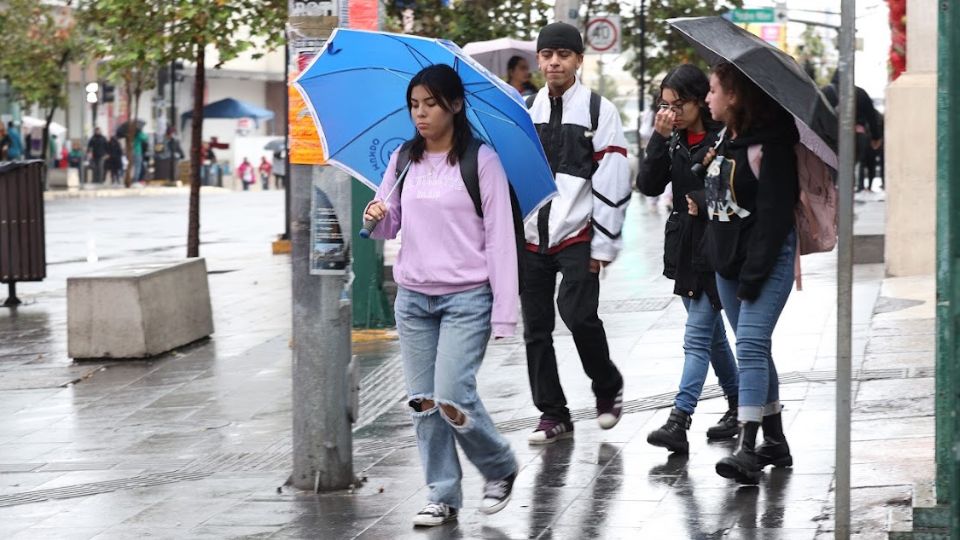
[(753, 323), (704, 343), (442, 342), (578, 301)]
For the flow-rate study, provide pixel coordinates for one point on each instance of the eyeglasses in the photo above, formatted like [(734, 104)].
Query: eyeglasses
[(678, 109)]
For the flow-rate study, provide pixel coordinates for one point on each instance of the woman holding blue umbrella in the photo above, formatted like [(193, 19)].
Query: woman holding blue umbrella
[(457, 283)]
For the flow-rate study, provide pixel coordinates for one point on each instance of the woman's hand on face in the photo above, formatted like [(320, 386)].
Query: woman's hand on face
[(692, 207), (375, 211), (663, 124)]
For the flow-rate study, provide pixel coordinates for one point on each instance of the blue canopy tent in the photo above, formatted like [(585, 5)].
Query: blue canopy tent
[(230, 108)]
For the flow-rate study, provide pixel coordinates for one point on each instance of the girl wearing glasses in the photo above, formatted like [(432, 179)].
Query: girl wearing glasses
[(683, 133)]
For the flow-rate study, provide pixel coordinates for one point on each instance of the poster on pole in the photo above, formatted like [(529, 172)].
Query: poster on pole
[(328, 251), (603, 35), (305, 146)]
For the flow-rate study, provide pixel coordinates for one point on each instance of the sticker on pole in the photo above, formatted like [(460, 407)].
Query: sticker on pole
[(603, 35)]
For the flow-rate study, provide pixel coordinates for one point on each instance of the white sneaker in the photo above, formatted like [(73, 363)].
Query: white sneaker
[(609, 411), (434, 514)]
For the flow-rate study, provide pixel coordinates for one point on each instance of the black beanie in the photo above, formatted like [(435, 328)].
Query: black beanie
[(560, 35)]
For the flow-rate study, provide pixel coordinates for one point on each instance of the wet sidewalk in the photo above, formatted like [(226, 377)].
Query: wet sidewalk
[(196, 444)]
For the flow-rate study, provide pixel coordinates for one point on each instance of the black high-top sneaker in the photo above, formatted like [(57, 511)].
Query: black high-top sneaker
[(774, 449), (727, 427), (673, 434), (742, 465)]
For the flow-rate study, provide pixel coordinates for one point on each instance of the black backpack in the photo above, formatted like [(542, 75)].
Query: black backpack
[(470, 171)]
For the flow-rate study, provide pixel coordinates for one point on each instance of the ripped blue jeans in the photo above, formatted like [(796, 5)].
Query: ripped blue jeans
[(442, 341)]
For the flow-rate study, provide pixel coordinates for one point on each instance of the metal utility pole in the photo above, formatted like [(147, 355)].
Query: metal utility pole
[(642, 54), (319, 229), (173, 95), (845, 267)]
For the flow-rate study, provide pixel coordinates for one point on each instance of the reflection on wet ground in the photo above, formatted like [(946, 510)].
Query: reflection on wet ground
[(195, 444)]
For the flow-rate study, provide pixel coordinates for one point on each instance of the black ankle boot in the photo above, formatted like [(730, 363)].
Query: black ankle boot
[(673, 434), (742, 465), (728, 426), (774, 449)]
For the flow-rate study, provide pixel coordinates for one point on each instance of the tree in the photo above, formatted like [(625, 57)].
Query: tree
[(664, 48), (40, 43), (128, 37), (465, 21), (812, 55), (231, 27)]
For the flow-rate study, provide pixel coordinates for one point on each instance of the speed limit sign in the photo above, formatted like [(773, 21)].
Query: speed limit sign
[(603, 34)]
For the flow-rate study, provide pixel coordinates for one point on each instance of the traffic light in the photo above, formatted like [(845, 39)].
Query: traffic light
[(108, 92)]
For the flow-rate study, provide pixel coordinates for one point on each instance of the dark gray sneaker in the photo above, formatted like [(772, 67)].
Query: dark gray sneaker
[(496, 494), (434, 514), (550, 431)]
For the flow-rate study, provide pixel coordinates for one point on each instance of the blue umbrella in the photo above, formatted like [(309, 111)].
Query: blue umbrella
[(356, 91)]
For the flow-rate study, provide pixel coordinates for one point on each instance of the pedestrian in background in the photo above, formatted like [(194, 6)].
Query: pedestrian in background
[(869, 132), (455, 289), (576, 234), (114, 161), (683, 132), (141, 143), (97, 154), (245, 174), (279, 167), (4, 143), (518, 76), (751, 243), (15, 150), (264, 170)]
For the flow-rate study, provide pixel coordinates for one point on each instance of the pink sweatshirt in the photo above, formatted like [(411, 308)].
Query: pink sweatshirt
[(447, 247)]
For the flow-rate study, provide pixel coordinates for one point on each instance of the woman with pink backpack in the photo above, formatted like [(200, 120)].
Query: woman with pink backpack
[(751, 243)]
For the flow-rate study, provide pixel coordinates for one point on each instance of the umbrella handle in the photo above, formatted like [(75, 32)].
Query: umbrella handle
[(368, 226)]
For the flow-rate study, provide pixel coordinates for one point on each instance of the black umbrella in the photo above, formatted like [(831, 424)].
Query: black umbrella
[(122, 128), (774, 71)]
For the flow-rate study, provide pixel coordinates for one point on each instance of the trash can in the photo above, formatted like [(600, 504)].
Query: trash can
[(22, 239)]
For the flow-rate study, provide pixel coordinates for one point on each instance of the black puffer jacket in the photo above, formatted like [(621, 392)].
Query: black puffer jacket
[(683, 261), (748, 217)]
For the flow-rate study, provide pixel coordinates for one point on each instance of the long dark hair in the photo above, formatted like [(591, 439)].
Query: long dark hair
[(443, 84), (690, 84), (755, 109)]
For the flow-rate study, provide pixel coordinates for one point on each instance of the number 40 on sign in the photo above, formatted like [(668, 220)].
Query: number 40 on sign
[(603, 35)]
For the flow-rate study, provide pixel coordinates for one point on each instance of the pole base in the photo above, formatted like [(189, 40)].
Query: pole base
[(281, 246), (12, 300)]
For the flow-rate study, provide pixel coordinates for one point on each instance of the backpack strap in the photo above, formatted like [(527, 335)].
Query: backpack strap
[(469, 170), (595, 101), (403, 159)]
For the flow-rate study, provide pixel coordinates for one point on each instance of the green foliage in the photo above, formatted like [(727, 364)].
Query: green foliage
[(465, 21), (812, 55), (665, 48), (39, 43), (230, 26), (128, 39)]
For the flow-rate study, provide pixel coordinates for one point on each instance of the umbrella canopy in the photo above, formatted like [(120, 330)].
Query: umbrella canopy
[(495, 54), (774, 71), (35, 125), (230, 108), (122, 128), (275, 145), (356, 91)]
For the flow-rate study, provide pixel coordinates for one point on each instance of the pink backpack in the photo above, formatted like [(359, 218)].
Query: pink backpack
[(816, 212)]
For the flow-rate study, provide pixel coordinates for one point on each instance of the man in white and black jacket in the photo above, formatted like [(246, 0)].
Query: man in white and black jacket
[(576, 234)]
